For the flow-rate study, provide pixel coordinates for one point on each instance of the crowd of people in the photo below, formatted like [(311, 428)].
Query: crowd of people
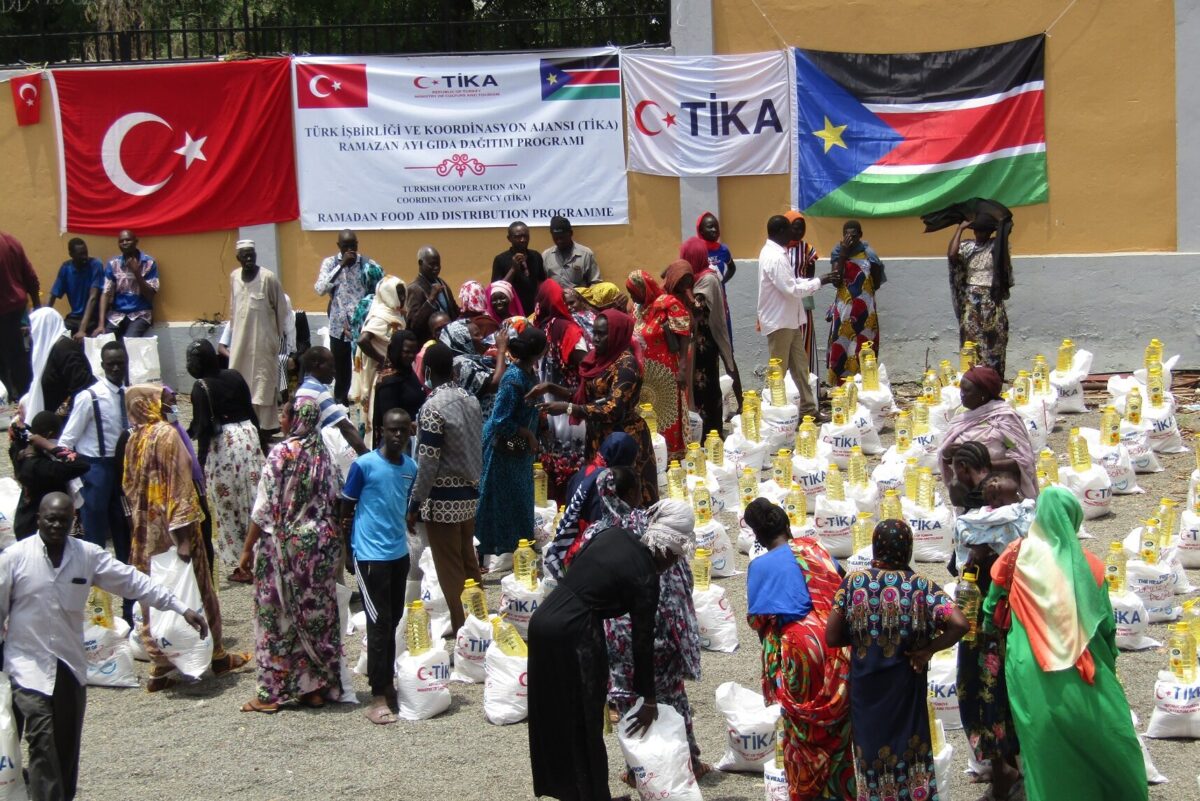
[(418, 427)]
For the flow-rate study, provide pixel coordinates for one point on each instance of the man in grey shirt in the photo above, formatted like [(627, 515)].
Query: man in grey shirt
[(568, 262), (445, 494)]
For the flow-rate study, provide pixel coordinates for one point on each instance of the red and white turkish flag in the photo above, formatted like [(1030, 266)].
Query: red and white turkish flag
[(176, 149), (331, 85), (27, 98)]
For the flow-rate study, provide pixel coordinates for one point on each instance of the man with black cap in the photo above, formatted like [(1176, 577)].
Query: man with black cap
[(568, 262)]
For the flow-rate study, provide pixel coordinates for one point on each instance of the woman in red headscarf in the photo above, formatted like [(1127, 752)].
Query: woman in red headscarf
[(562, 442), (664, 329), (713, 344), (608, 395)]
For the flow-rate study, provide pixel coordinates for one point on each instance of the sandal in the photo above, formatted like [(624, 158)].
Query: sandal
[(313, 700), (240, 576), (255, 705), (159, 683), (701, 769), (230, 662), (380, 715)]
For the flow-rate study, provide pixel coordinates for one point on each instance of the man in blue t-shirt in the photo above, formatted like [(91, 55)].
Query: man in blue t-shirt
[(374, 508), (80, 279)]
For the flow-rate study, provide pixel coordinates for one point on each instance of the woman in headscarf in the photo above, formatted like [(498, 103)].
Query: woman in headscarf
[(616, 574), (608, 395), (790, 595), (472, 300), (676, 635), (294, 549), (1070, 712), (505, 511), (385, 317), (992, 422), (584, 505), (712, 343), (165, 513), (665, 333), (46, 327), (561, 452), (894, 620), (603, 295), (225, 430), (980, 280), (475, 372), (170, 407), (400, 388), (720, 259), (803, 258), (502, 302), (853, 317)]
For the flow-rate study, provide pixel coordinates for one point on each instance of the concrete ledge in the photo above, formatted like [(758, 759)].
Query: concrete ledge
[(1111, 305)]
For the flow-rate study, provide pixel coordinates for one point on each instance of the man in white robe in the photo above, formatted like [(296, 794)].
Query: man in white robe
[(258, 322)]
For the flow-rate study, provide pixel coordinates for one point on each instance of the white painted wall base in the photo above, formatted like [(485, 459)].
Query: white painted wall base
[(1111, 305)]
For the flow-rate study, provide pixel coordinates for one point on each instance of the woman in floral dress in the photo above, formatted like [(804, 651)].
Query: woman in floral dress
[(664, 329), (853, 317), (295, 550), (894, 620)]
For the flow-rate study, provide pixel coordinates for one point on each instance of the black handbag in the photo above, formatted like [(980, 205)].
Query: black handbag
[(512, 444)]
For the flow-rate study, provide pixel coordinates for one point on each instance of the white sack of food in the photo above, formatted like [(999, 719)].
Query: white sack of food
[(109, 659), (713, 536), (810, 474), (868, 432), (1152, 774), (505, 688), (433, 598), (180, 643), (779, 423), (749, 727), (715, 619), (470, 651), (1092, 487), (943, 688), (840, 439), (1114, 459), (933, 531), (1136, 439), (659, 759), (1163, 429), (1155, 585), (518, 602), (741, 452), (1189, 539), (1069, 383), (1132, 621), (423, 684), (832, 521), (1176, 709), (12, 779)]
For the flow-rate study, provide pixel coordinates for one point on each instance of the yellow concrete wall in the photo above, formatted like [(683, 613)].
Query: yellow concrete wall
[(1110, 112), (1110, 123)]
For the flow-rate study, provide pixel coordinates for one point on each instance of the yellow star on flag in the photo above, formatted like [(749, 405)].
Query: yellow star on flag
[(552, 78), (831, 135)]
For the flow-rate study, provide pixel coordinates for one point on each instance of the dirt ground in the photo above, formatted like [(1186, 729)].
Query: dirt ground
[(194, 743)]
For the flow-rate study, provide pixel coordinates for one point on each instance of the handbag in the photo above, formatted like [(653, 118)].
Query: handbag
[(512, 444)]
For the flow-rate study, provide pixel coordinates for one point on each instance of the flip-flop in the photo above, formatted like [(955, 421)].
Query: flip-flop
[(255, 705), (380, 715), (160, 683), (313, 700)]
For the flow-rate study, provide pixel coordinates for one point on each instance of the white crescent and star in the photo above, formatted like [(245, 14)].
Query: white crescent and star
[(29, 101), (640, 122), (314, 85), (114, 137)]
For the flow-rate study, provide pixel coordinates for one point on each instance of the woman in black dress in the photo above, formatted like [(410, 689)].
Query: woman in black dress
[(400, 388), (616, 574)]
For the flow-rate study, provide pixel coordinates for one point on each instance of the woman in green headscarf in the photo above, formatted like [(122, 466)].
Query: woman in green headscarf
[(1071, 715)]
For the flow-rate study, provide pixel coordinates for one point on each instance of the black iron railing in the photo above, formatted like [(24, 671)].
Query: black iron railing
[(271, 37)]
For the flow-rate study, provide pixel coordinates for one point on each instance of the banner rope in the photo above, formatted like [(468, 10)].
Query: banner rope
[(1060, 16), (771, 25)]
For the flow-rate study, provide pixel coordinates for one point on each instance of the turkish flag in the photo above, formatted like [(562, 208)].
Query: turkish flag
[(331, 85), (177, 149), (27, 98)]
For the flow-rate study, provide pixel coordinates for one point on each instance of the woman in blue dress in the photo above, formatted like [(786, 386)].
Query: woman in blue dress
[(509, 446)]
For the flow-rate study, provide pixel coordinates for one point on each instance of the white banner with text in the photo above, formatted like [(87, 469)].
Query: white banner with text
[(459, 142), (707, 115)]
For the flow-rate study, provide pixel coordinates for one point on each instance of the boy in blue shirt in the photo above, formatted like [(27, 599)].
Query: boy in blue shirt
[(80, 279), (375, 504)]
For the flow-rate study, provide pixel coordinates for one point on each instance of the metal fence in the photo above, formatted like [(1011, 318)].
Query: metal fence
[(272, 37)]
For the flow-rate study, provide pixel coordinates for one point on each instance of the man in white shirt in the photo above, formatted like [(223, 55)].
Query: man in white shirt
[(781, 293), (44, 584), (97, 419)]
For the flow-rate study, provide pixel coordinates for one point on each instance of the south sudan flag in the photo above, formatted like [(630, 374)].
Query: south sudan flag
[(906, 133), (585, 78)]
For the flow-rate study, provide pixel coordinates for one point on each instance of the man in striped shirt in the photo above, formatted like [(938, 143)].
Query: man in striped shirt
[(317, 364)]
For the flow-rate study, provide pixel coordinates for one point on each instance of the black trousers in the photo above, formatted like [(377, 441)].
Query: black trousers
[(15, 371), (53, 725), (382, 588), (341, 369), (129, 327)]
